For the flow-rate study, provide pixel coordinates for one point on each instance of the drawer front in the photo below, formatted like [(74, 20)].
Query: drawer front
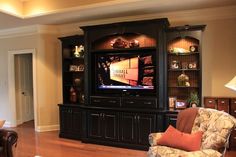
[(210, 103), (233, 107), (140, 103), (233, 139), (105, 101), (223, 105)]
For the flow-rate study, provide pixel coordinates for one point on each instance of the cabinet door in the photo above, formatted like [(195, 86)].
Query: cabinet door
[(110, 125), (127, 128), (76, 122), (171, 119), (65, 120), (94, 124), (145, 126)]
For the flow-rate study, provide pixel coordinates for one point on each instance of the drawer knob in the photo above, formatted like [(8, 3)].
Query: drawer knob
[(147, 103), (222, 102), (210, 101), (130, 102), (234, 111), (235, 102)]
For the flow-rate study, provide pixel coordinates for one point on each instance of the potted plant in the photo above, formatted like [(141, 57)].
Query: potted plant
[(193, 99)]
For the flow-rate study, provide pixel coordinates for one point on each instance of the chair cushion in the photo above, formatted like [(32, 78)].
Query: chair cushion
[(216, 125), (174, 138), (163, 151)]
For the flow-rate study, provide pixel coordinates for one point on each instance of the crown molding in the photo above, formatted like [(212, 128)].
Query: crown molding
[(28, 30), (187, 16)]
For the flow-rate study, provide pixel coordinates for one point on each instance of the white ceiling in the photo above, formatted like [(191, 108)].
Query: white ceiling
[(108, 10)]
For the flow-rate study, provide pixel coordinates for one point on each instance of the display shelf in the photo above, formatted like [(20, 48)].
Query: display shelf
[(182, 54), (179, 70), (184, 62), (71, 69), (123, 49)]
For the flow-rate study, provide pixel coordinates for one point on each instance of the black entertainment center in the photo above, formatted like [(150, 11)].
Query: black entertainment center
[(122, 95)]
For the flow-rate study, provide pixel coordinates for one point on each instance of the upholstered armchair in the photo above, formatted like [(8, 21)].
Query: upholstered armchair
[(8, 139), (214, 125)]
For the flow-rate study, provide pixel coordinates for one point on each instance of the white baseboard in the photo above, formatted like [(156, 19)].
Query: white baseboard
[(47, 128)]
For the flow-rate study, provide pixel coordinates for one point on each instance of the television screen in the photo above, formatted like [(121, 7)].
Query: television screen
[(126, 71)]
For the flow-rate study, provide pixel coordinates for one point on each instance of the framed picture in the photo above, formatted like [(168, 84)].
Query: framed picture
[(184, 65), (192, 65), (180, 104), (174, 64), (172, 101)]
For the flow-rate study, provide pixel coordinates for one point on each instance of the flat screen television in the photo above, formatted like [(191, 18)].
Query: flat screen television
[(126, 73)]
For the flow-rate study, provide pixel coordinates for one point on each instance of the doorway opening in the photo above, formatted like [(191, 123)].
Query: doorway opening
[(22, 89)]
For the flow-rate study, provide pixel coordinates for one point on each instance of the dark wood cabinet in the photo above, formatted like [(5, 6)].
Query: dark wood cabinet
[(135, 128), (116, 91), (226, 104), (184, 69), (71, 122), (103, 125)]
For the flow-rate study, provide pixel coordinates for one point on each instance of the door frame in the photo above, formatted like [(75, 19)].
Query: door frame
[(11, 84)]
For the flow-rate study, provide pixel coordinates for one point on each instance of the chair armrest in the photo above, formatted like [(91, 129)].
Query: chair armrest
[(8, 139), (153, 137)]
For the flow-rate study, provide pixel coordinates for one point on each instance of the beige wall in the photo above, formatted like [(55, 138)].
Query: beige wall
[(48, 82), (5, 46), (218, 57)]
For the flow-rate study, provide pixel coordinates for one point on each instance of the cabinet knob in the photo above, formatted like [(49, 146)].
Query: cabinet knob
[(222, 102), (96, 101), (235, 102), (209, 101), (147, 103), (130, 102), (234, 111)]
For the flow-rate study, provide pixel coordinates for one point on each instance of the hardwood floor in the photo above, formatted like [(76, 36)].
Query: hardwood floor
[(48, 144)]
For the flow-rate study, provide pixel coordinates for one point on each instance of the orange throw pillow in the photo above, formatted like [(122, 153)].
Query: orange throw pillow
[(177, 139)]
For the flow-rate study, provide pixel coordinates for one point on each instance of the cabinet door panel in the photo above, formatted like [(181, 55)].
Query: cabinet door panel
[(110, 126), (77, 122), (94, 125), (146, 125), (171, 119), (66, 124), (127, 127)]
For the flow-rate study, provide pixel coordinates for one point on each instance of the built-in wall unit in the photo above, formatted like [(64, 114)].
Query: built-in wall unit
[(118, 80)]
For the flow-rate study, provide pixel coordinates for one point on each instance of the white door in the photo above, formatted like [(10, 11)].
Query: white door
[(24, 88)]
